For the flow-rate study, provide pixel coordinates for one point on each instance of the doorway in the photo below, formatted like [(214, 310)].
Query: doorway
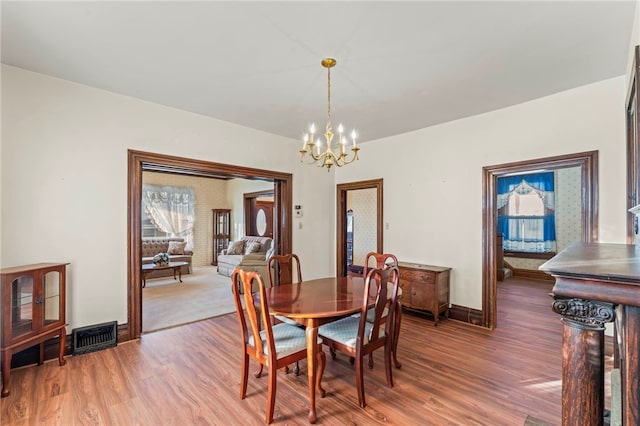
[(632, 118), (258, 213), (371, 221), (138, 162), (588, 164)]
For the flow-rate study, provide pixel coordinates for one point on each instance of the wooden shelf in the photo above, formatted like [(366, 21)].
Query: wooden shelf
[(221, 232)]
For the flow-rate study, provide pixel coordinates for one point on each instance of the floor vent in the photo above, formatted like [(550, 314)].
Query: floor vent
[(94, 337)]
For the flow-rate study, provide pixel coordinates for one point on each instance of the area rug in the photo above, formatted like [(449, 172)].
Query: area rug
[(203, 294)]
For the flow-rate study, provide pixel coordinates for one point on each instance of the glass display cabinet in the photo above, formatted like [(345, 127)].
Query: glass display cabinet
[(221, 232), (33, 311)]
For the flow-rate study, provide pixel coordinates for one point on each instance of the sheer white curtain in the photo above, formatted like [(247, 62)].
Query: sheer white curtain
[(171, 209)]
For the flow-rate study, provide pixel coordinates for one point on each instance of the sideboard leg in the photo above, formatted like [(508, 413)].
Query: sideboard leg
[(6, 370)]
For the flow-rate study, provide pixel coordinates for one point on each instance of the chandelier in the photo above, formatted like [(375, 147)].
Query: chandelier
[(326, 154)]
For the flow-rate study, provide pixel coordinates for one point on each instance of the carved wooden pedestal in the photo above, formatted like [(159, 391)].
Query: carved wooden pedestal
[(596, 284), (583, 359)]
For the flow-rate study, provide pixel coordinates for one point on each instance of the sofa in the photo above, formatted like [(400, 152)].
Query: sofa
[(153, 246), (256, 261)]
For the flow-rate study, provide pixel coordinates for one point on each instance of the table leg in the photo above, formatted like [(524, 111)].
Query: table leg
[(144, 279), (179, 273), (312, 365)]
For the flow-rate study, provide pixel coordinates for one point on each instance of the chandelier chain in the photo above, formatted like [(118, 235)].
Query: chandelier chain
[(329, 94)]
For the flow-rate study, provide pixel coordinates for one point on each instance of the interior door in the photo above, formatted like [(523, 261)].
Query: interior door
[(259, 214), (372, 234), (262, 218)]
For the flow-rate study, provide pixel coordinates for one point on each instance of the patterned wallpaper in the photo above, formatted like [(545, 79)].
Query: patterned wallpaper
[(210, 194), (364, 205), (568, 214)]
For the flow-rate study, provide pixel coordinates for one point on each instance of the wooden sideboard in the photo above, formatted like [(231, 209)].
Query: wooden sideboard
[(425, 288), (597, 284)]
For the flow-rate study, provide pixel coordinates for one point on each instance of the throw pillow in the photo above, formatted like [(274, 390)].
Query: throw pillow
[(236, 247), (252, 247), (176, 247)]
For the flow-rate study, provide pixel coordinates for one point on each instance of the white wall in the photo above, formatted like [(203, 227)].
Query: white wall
[(433, 177), (64, 181)]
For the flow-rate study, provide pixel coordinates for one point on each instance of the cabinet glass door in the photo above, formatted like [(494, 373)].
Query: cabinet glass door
[(21, 306), (51, 297)]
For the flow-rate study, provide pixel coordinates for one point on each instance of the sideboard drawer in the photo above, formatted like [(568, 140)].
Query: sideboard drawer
[(423, 276)]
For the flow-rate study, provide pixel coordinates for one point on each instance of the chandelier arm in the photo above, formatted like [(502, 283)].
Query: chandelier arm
[(355, 156)]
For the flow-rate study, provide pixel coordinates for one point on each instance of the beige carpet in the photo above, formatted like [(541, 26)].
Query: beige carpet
[(203, 294)]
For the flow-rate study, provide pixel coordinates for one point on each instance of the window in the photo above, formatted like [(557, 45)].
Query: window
[(168, 210), (149, 229), (526, 215)]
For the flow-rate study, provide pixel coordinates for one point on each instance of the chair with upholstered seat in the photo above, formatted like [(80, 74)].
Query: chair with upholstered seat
[(274, 347), (357, 336), (382, 260)]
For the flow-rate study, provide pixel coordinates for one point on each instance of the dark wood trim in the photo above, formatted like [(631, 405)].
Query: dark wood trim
[(123, 333), (139, 161), (632, 118), (528, 255), (588, 161), (465, 314), (341, 223), (531, 274)]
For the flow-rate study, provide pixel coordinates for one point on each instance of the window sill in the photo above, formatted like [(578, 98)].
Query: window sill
[(529, 255)]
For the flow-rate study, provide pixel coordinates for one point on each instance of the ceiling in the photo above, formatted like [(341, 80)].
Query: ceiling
[(401, 66)]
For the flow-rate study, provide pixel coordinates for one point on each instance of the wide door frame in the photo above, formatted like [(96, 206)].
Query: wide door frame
[(139, 161), (588, 161), (341, 219), (632, 117)]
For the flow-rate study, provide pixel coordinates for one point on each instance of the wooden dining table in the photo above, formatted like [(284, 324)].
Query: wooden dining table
[(313, 303)]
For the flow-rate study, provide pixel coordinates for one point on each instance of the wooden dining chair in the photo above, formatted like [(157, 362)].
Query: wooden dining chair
[(281, 269), (382, 260), (274, 347), (356, 336)]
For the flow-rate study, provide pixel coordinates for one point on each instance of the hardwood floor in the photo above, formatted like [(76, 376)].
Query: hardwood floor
[(452, 374)]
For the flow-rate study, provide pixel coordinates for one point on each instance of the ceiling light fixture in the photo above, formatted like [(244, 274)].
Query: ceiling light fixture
[(328, 157)]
